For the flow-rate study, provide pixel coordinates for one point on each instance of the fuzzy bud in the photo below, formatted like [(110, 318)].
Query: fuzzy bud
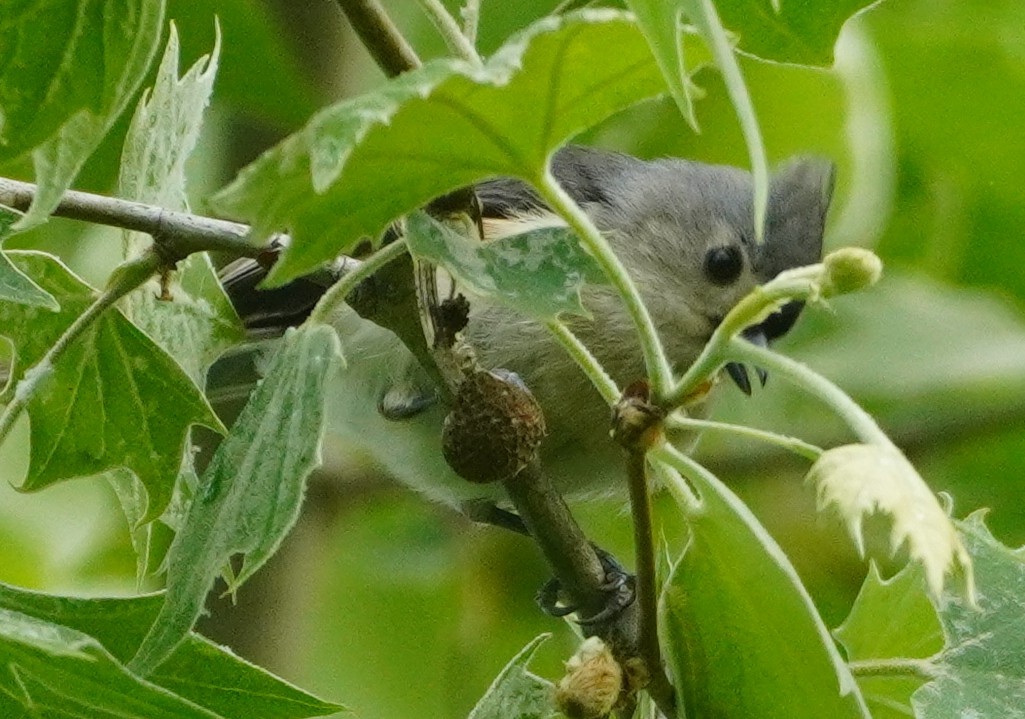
[(850, 269), (593, 684)]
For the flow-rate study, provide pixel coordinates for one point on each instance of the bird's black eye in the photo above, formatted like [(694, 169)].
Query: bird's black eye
[(723, 264)]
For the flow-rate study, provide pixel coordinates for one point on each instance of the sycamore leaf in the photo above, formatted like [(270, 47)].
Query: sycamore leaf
[(360, 164), (102, 634), (516, 693), (982, 668), (741, 636), (250, 494), (148, 402), (67, 70), (891, 619), (798, 32), (539, 272), (15, 285), (199, 324), (860, 479)]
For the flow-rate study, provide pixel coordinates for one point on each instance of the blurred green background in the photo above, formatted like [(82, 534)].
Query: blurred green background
[(398, 608)]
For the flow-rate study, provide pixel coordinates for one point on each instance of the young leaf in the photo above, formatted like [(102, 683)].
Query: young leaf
[(800, 32), (249, 496), (741, 635), (982, 669), (516, 693), (199, 671), (148, 402), (15, 286), (200, 323), (68, 69), (859, 479), (891, 621), (539, 272), (358, 165)]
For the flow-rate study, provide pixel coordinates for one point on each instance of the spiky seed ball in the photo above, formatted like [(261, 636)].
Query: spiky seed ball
[(494, 429)]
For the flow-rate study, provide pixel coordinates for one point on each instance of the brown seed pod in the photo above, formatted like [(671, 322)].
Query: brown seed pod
[(494, 429)]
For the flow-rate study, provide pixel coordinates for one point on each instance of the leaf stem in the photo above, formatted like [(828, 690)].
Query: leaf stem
[(901, 667), (798, 284), (703, 14), (336, 296), (809, 451), (471, 20), (585, 360), (655, 359), (125, 278), (803, 376), (658, 687), (448, 28), (379, 35), (175, 234)]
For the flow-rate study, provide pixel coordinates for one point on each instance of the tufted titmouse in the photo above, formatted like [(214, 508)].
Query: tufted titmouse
[(684, 232)]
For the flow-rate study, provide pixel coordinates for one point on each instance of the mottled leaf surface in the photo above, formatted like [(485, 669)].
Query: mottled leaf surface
[(67, 70), (102, 634), (539, 272), (15, 286), (516, 693), (982, 669), (360, 164), (250, 494), (112, 399)]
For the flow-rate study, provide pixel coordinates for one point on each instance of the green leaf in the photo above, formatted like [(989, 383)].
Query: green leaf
[(360, 164), (891, 619), (147, 400), (741, 635), (15, 285), (50, 670), (67, 70), (859, 480), (199, 671), (803, 33), (250, 495), (982, 669), (516, 693), (200, 323), (539, 272)]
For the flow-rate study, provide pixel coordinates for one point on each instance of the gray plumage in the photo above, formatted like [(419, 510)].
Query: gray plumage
[(684, 231)]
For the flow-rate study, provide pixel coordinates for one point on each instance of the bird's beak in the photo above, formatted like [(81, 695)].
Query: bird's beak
[(738, 372)]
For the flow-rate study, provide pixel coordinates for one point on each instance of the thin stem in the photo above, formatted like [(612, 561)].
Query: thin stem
[(799, 284), (379, 35), (124, 279), (336, 296), (659, 688), (703, 14), (801, 375), (585, 360), (449, 30), (471, 20), (917, 668), (175, 234), (809, 451), (655, 359)]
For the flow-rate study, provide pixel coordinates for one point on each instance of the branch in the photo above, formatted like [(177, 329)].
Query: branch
[(390, 50), (448, 28), (175, 234)]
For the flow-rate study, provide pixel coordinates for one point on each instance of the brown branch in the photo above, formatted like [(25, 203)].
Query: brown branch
[(390, 50), (175, 234)]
